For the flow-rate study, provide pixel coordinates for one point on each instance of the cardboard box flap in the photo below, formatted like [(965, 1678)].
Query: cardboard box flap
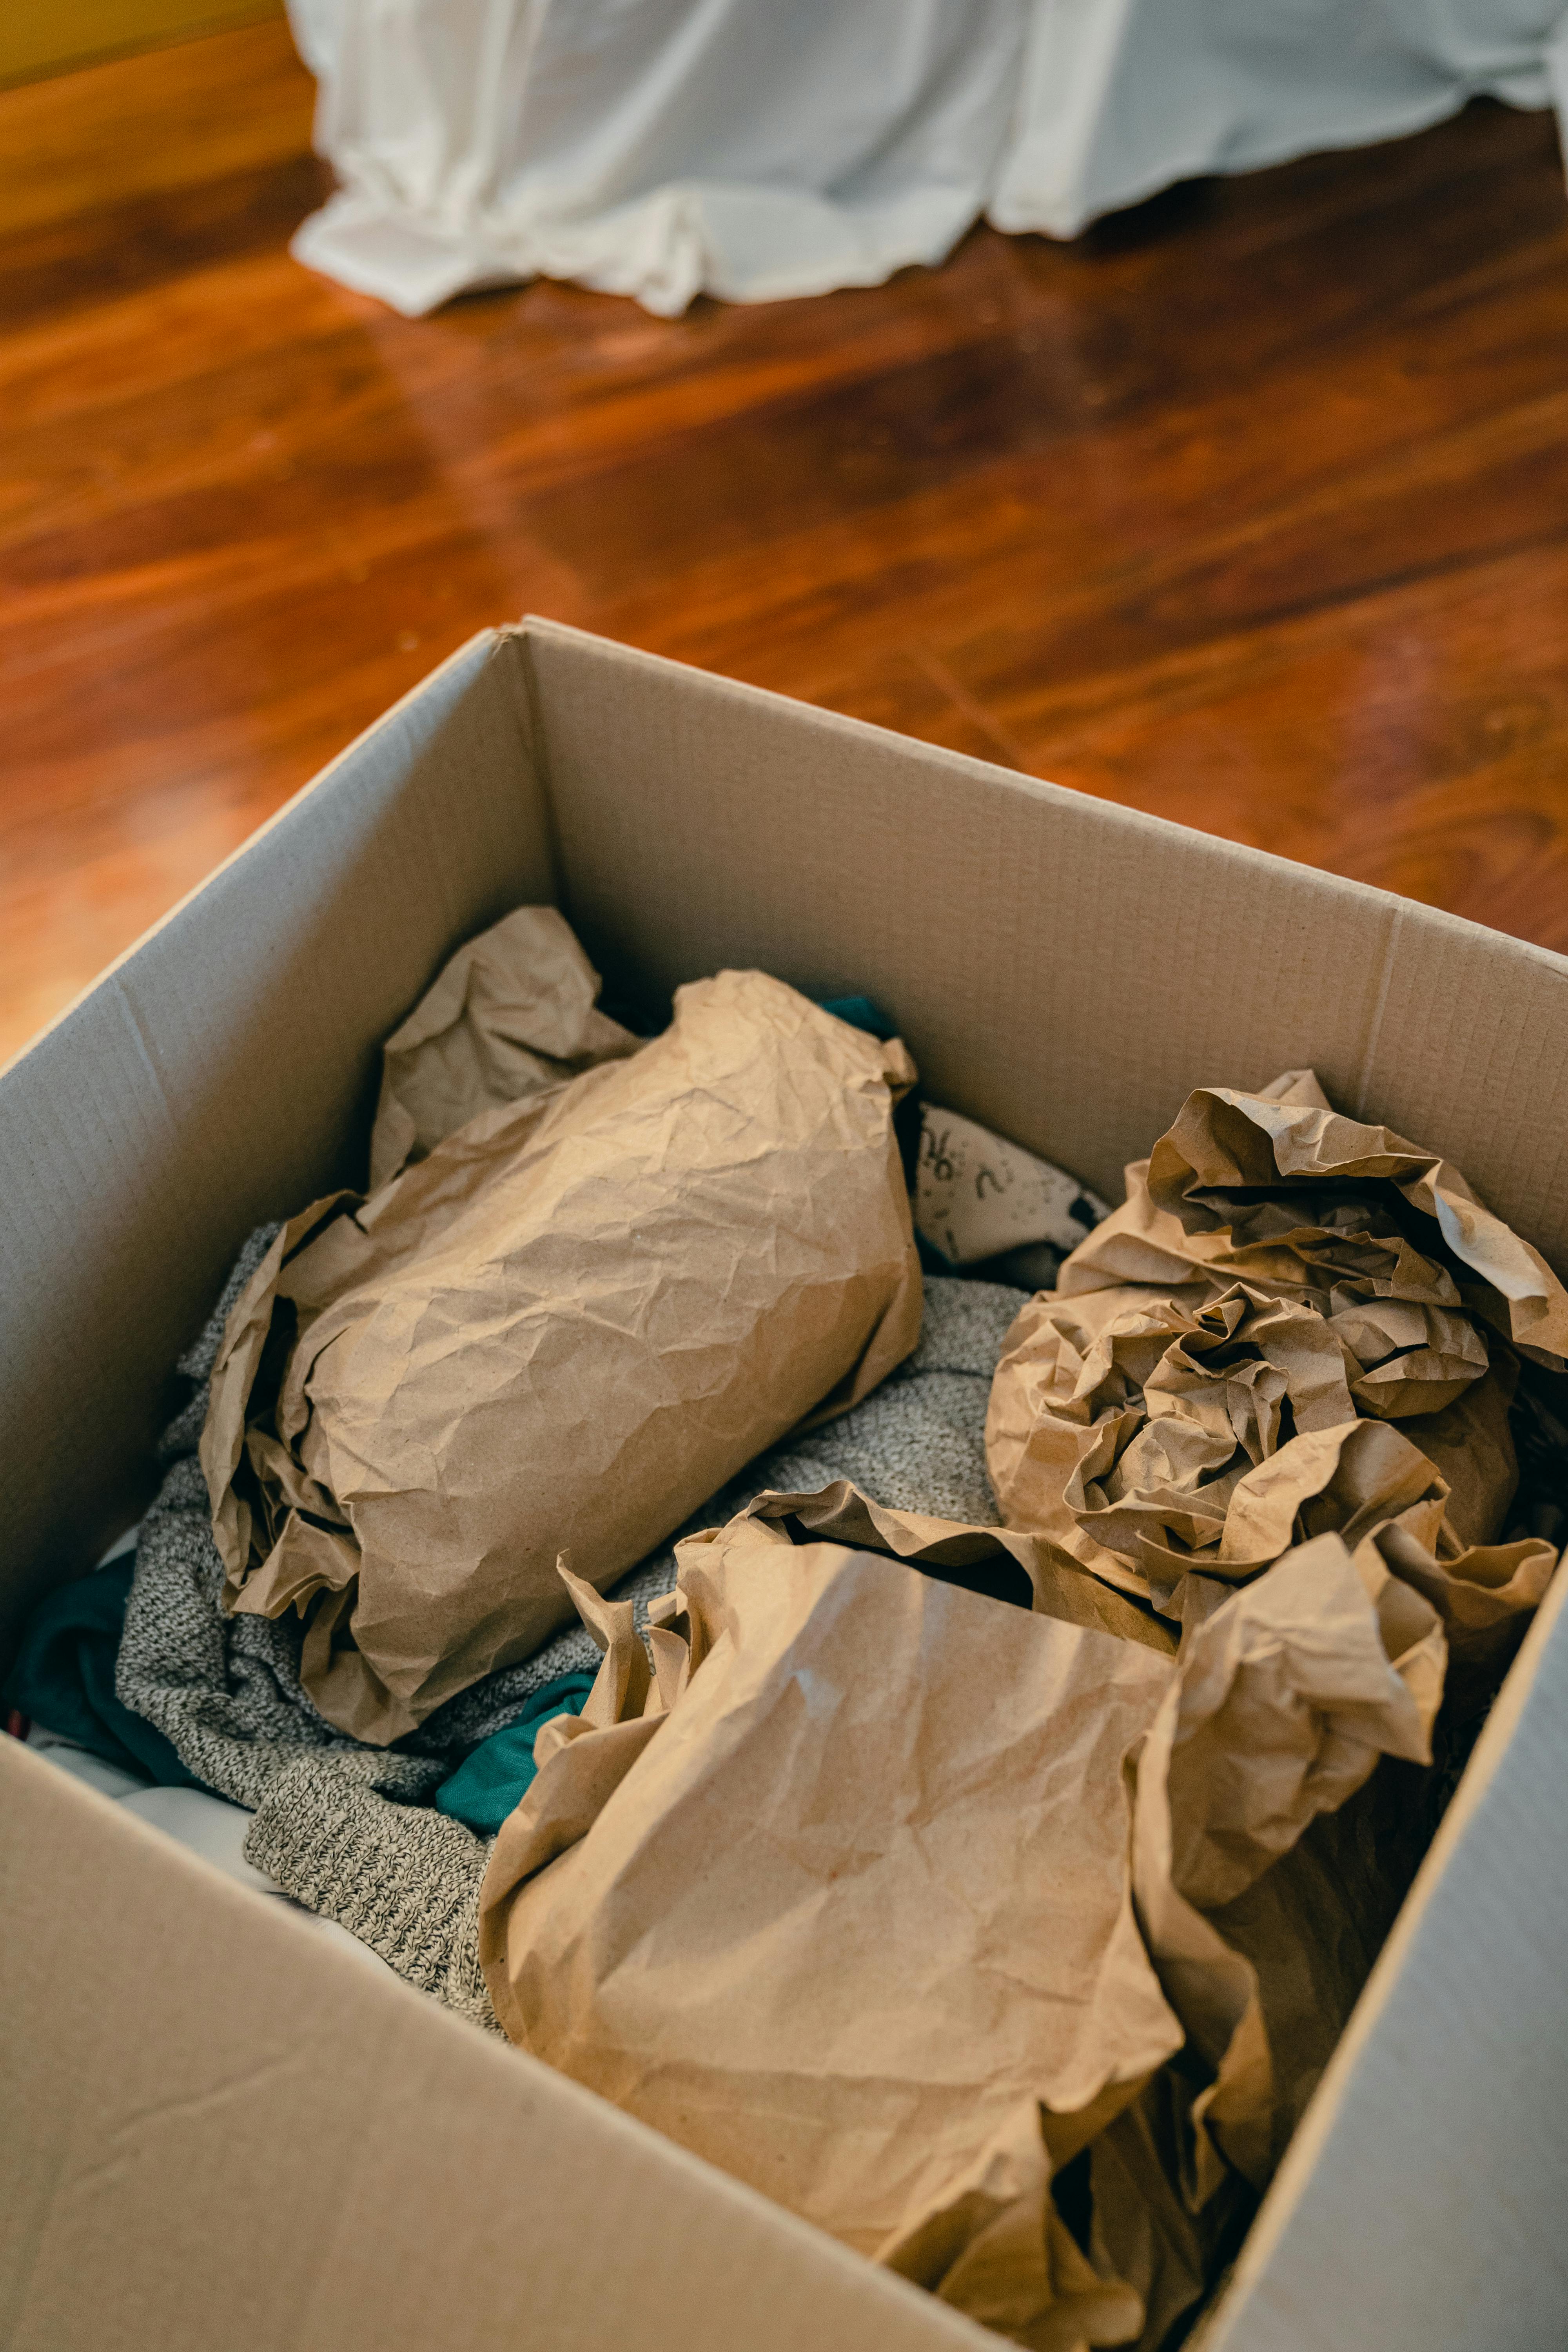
[(229, 2136), (223, 1071), (1063, 970)]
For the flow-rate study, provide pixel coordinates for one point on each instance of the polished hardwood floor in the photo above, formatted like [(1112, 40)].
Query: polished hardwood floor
[(1250, 509)]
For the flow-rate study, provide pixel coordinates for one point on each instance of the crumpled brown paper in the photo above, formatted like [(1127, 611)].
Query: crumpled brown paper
[(839, 1894), (1262, 1959), (1009, 1567), (515, 1012), (840, 1891), (1296, 1323), (1279, 1190), (568, 1324)]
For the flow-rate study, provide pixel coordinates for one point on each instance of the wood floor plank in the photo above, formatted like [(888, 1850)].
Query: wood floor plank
[(1250, 509), (168, 120)]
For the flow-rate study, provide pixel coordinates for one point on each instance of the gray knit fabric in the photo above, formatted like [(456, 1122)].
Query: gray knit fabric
[(347, 1829), (402, 1877), (225, 1690), (918, 1443)]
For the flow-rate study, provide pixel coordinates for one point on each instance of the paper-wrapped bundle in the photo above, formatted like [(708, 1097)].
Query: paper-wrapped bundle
[(566, 1325), (1297, 1324), (889, 1897)]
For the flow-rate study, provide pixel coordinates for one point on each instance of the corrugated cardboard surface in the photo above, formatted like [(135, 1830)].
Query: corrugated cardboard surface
[(219, 2137), (1061, 969), (217, 2132), (222, 1073)]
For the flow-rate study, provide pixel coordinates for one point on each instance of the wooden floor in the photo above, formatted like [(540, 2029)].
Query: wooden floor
[(1252, 509)]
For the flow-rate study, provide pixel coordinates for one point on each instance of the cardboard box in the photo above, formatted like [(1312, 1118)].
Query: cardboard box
[(216, 2134)]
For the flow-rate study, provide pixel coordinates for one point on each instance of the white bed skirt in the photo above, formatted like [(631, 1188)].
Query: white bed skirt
[(757, 148)]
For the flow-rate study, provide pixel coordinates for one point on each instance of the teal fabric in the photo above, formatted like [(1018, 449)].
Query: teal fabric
[(488, 1784), (860, 1013), (64, 1677)]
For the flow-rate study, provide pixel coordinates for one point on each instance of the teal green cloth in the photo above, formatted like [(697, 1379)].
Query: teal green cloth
[(860, 1013), (491, 1781), (64, 1677)]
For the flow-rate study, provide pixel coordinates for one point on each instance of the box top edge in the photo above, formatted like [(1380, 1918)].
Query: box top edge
[(1134, 824)]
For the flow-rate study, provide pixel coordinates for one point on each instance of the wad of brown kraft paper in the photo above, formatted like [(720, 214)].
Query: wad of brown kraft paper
[(1264, 1885), (884, 1894), (1297, 1324), (513, 1013), (568, 1322)]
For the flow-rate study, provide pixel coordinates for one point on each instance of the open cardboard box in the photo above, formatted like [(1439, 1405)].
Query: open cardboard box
[(218, 2135)]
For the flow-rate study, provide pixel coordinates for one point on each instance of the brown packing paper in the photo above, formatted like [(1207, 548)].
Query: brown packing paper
[(573, 1320), (514, 1012), (855, 1908), (1008, 1567), (1306, 1933), (1188, 1477), (1142, 2229), (1226, 1145), (1208, 1384), (1470, 1444), (835, 1894), (999, 2251), (1485, 1599), (1276, 1189), (1262, 1899)]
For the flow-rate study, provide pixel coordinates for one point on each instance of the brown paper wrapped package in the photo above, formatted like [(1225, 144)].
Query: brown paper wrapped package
[(570, 1322), (888, 1897), (1295, 1324)]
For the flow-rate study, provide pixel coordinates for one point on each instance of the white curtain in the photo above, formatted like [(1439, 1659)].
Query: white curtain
[(755, 149)]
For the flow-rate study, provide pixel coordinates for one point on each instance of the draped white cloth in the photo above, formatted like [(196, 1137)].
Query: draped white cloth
[(755, 149)]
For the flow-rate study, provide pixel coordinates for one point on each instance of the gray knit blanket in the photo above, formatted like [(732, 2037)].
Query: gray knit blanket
[(348, 1829)]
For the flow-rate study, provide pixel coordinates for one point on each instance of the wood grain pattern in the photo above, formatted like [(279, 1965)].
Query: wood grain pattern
[(51, 37), (1251, 509)]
